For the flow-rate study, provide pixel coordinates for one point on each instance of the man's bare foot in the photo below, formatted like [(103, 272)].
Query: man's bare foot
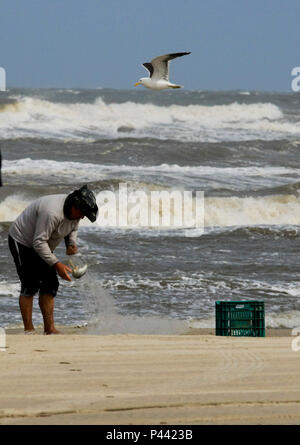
[(52, 332), (29, 331)]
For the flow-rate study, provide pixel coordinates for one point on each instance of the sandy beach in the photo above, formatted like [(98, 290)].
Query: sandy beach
[(77, 378)]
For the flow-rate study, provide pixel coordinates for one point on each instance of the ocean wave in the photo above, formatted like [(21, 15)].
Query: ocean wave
[(281, 208), (217, 212), (145, 212), (12, 206), (252, 211), (87, 122), (90, 171)]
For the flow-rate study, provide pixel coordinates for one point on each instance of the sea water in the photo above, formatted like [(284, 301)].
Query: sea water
[(240, 148)]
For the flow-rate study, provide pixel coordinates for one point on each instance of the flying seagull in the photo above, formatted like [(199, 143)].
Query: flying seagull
[(159, 72)]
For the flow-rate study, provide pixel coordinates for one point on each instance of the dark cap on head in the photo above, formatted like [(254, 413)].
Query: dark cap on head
[(82, 199)]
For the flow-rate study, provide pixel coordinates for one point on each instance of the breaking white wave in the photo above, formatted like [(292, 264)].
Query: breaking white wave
[(12, 206), (66, 171), (218, 211), (269, 210), (277, 209), (33, 117)]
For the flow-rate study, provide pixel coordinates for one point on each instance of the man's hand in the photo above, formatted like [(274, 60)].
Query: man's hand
[(72, 249), (63, 270)]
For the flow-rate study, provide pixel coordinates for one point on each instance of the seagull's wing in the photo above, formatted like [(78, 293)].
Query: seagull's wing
[(148, 67), (160, 65)]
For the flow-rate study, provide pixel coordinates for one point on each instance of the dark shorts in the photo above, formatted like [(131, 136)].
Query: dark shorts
[(35, 275)]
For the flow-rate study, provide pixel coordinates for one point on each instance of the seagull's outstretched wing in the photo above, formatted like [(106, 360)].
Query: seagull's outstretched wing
[(148, 67), (159, 67)]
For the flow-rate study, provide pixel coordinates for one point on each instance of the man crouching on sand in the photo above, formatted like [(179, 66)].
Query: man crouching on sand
[(34, 235)]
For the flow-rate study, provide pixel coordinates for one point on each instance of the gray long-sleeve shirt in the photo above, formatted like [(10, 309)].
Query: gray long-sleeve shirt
[(43, 225)]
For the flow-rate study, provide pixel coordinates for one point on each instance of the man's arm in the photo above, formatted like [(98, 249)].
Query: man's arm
[(71, 242), (45, 225), (72, 249)]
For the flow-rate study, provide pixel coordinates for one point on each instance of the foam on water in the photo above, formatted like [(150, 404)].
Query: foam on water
[(12, 206), (289, 319), (67, 170), (218, 212), (269, 210), (9, 289), (33, 117)]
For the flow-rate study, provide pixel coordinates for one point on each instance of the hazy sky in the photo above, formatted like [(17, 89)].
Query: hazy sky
[(235, 44)]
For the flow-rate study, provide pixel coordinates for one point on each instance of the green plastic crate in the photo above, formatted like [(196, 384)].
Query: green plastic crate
[(240, 318)]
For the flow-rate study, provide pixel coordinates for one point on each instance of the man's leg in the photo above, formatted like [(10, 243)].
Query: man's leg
[(26, 304), (46, 303), (24, 262)]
